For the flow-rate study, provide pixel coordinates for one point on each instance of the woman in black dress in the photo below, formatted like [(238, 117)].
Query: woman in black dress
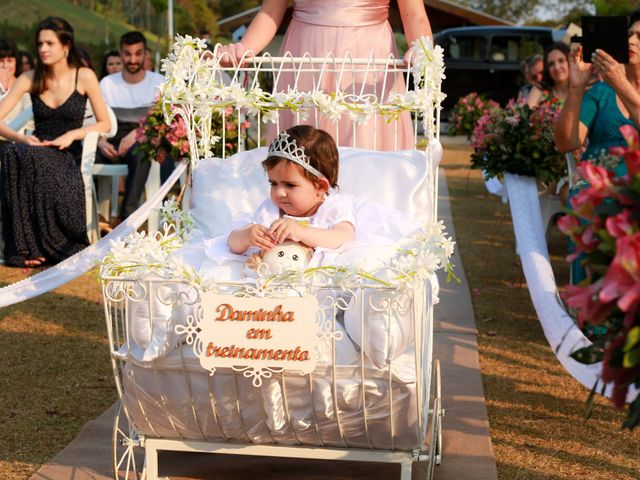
[(41, 188)]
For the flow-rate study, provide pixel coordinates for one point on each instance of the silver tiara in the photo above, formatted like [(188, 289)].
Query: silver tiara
[(284, 147)]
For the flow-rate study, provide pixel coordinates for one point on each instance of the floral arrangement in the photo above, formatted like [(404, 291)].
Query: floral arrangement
[(605, 227), (158, 139), (467, 112), (195, 89), (519, 140)]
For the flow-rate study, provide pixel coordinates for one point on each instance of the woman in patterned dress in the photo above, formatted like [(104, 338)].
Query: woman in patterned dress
[(41, 188)]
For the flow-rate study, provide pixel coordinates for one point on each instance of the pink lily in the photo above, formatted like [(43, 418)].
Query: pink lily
[(622, 280)]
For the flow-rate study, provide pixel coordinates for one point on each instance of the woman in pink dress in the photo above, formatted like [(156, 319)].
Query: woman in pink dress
[(322, 27)]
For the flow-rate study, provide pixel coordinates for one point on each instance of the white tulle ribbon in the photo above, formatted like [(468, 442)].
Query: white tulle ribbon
[(88, 258), (561, 331)]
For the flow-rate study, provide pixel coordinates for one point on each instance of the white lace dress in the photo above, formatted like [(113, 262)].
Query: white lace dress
[(375, 226)]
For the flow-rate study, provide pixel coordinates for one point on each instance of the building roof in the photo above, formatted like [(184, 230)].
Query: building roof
[(473, 16), (442, 13)]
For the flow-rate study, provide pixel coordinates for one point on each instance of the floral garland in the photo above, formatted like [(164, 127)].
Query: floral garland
[(194, 90), (139, 256)]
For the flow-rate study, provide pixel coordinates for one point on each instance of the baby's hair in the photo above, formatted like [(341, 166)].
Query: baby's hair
[(321, 149)]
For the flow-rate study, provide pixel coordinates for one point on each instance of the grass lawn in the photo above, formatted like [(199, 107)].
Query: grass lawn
[(56, 373)]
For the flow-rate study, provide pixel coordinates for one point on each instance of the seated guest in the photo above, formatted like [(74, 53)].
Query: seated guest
[(8, 67), (594, 115), (555, 76), (148, 60), (130, 93), (41, 187), (112, 63), (26, 62), (532, 70)]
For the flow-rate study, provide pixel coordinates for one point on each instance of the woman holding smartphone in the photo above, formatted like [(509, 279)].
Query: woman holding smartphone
[(598, 113)]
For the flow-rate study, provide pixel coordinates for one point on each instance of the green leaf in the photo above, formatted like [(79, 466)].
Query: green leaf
[(588, 355), (608, 209), (632, 194), (633, 337), (631, 358)]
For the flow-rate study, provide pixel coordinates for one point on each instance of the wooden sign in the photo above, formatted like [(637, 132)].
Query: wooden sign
[(259, 333)]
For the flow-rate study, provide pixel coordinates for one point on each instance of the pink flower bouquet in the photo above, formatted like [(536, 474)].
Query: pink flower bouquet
[(605, 226), (467, 111), (158, 140), (518, 140)]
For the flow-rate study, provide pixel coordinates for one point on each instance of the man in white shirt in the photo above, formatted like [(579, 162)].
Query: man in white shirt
[(130, 93)]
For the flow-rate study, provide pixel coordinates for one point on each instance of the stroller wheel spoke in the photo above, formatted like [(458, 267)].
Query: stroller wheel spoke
[(126, 445)]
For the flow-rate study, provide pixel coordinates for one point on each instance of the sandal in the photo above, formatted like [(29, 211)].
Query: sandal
[(34, 262), (20, 261)]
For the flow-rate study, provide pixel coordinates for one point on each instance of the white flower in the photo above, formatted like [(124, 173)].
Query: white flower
[(321, 100), (270, 116)]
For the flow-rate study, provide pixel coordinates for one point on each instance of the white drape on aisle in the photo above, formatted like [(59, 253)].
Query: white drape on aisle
[(495, 187), (561, 331), (88, 258)]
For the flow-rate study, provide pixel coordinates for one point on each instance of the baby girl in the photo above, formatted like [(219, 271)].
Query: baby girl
[(302, 166)]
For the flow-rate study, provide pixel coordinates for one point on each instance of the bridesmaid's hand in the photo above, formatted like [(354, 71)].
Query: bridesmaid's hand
[(408, 56), (62, 142), (231, 54)]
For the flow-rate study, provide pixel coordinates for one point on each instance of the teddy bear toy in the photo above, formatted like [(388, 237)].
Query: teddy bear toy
[(287, 256)]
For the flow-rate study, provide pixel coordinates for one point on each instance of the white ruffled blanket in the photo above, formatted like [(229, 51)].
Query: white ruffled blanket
[(380, 233)]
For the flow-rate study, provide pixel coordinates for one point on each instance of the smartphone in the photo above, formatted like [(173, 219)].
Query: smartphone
[(606, 33)]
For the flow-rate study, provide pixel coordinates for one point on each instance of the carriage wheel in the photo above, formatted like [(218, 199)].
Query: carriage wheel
[(125, 447), (435, 433)]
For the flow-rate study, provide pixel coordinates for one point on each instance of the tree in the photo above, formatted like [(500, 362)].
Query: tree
[(513, 10), (615, 7), (192, 16), (226, 8)]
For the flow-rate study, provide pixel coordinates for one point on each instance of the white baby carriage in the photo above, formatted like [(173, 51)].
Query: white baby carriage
[(334, 363)]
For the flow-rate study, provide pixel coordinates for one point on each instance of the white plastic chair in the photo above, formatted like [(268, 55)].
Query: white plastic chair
[(108, 176), (23, 121)]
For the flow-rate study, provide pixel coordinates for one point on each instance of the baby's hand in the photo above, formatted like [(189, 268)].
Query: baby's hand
[(259, 236), (284, 228)]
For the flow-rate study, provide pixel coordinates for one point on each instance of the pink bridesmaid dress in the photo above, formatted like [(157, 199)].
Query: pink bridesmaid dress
[(322, 27)]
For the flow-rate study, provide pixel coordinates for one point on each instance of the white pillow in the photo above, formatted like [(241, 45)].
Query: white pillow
[(226, 189), (401, 180), (388, 332), (154, 333)]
